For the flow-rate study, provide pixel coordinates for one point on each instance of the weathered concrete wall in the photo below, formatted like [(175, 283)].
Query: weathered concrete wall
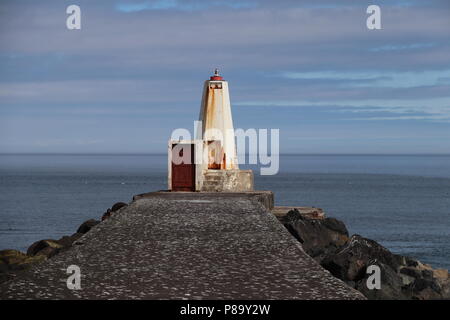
[(265, 198), (227, 181)]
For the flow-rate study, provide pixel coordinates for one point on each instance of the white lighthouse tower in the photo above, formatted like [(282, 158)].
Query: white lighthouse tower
[(217, 125), (214, 150)]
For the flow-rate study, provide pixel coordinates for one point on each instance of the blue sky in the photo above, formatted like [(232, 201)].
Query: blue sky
[(134, 72)]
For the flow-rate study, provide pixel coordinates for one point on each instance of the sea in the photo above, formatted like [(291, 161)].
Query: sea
[(401, 201)]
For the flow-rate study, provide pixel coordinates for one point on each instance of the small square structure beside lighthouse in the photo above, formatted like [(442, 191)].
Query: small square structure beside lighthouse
[(209, 163)]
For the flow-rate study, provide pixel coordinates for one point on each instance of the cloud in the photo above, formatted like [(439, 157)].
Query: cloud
[(65, 142), (155, 5), (401, 103), (401, 47), (437, 118), (429, 110), (374, 78), (181, 5)]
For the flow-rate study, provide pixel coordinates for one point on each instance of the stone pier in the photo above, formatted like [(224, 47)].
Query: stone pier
[(185, 246)]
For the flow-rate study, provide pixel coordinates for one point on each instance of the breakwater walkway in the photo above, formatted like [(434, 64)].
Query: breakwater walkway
[(184, 246)]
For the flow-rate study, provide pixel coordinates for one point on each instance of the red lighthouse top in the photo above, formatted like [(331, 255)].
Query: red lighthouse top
[(216, 75)]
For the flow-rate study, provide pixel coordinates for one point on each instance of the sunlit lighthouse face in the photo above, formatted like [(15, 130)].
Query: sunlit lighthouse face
[(216, 118)]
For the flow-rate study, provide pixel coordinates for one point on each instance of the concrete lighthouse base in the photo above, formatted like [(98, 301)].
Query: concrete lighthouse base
[(227, 181)]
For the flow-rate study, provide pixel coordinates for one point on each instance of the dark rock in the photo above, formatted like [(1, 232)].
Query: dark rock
[(50, 248), (76, 236), (427, 274), (319, 237), (48, 252), (67, 241), (350, 262), (411, 262), (424, 289), (118, 206), (39, 246), (87, 225), (13, 260), (3, 267), (293, 215), (106, 215), (390, 285), (335, 225), (422, 284), (326, 240), (308, 212), (412, 272)]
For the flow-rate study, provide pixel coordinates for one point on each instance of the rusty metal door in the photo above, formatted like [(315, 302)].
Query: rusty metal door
[(183, 174)]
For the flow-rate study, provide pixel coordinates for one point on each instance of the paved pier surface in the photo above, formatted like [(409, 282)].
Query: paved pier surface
[(184, 246)]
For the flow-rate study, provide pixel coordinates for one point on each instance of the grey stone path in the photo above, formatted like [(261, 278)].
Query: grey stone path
[(184, 247)]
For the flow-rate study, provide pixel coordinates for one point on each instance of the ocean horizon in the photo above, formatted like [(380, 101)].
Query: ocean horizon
[(401, 201)]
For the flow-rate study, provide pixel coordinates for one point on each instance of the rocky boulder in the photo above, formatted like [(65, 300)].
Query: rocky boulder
[(327, 241), (401, 277), (87, 225), (390, 288), (116, 207), (67, 241), (13, 260), (107, 214), (351, 261), (319, 237), (47, 248), (425, 283), (16, 260)]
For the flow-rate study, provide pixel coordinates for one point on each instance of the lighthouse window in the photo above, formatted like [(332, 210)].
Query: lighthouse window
[(215, 86)]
